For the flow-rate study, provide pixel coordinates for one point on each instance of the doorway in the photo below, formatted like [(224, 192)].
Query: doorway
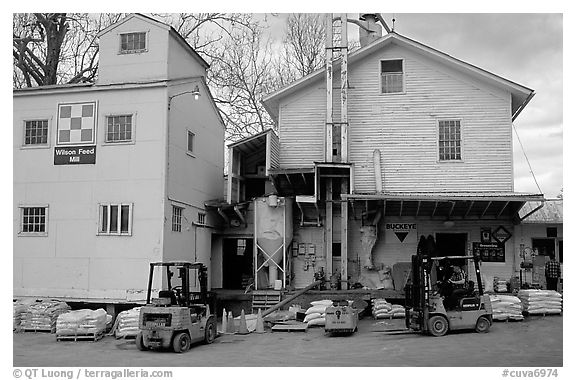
[(237, 265), (544, 247)]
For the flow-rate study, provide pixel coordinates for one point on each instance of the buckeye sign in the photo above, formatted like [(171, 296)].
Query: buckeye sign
[(401, 232)]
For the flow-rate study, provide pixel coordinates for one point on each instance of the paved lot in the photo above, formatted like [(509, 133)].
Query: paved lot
[(535, 342)]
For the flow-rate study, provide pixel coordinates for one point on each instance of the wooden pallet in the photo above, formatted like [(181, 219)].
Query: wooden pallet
[(290, 326), (51, 331), (94, 337), (264, 299)]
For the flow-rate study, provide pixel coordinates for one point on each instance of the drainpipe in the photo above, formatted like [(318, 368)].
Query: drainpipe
[(377, 171), (533, 211)]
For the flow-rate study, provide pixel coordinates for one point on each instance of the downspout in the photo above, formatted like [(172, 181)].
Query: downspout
[(378, 171), (533, 211)]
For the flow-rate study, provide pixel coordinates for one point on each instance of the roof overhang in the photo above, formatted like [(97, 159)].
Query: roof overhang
[(520, 95), (449, 206)]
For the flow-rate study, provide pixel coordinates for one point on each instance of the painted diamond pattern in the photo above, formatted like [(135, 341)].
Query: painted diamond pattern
[(77, 123)]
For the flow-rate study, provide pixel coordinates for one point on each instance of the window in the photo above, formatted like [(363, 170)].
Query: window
[(115, 219), (33, 220), (133, 42), (241, 247), (201, 218), (392, 76), (191, 142), (119, 128), (449, 140), (177, 218), (36, 132)]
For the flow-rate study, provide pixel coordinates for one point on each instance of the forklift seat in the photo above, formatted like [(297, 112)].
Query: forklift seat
[(168, 294)]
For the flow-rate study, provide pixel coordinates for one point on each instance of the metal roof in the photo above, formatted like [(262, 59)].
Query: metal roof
[(551, 213)]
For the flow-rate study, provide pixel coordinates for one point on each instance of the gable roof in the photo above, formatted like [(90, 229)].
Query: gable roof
[(521, 95), (164, 26)]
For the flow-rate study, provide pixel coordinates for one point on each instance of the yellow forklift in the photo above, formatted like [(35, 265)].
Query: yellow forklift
[(430, 309), (178, 317)]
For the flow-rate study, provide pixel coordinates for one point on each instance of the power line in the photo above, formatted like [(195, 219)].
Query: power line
[(527, 160)]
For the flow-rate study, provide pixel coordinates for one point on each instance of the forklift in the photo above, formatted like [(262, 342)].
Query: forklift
[(178, 317), (427, 309)]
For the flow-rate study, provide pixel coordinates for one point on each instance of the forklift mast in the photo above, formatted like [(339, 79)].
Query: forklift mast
[(183, 269)]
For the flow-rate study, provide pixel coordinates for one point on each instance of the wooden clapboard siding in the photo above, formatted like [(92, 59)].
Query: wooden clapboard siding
[(301, 128), (404, 127)]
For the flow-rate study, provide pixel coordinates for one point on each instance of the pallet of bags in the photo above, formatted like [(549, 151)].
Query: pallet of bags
[(315, 315), (383, 309), (540, 302), (41, 316), (85, 323), (127, 324), (19, 307), (505, 308), (500, 286)]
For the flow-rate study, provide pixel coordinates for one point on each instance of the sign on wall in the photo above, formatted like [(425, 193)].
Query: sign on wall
[(76, 134), (501, 235), (401, 232), (490, 252), (75, 155), (76, 123)]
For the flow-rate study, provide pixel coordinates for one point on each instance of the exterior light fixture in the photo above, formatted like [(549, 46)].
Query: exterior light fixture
[(448, 223), (195, 92)]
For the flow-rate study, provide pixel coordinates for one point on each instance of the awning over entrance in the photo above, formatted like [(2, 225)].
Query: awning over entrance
[(448, 205)]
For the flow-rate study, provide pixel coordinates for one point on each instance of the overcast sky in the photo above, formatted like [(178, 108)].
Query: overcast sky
[(524, 48)]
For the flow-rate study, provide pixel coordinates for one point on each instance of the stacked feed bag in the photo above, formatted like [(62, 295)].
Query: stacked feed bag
[(42, 315), (81, 322), (127, 323), (506, 307), (316, 314), (540, 301), (19, 307), (383, 309), (500, 286)]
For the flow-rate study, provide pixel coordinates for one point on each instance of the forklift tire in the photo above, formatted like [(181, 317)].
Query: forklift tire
[(210, 332), (140, 342), (482, 325), (181, 342), (438, 325)]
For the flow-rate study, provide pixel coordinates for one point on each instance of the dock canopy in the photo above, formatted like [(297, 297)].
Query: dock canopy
[(448, 205)]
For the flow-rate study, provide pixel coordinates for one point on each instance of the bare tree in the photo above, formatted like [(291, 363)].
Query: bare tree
[(305, 42), (239, 78), (56, 48)]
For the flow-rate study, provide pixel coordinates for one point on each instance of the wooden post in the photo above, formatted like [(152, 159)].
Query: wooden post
[(329, 220), (344, 89), (344, 237), (329, 43)]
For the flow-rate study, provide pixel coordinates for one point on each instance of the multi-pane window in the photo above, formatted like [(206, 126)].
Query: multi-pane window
[(119, 128), (392, 76), (132, 42), (191, 142), (33, 220), (201, 218), (36, 132), (449, 140), (115, 219), (177, 218)]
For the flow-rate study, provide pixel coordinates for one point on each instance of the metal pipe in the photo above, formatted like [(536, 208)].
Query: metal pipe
[(377, 171)]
